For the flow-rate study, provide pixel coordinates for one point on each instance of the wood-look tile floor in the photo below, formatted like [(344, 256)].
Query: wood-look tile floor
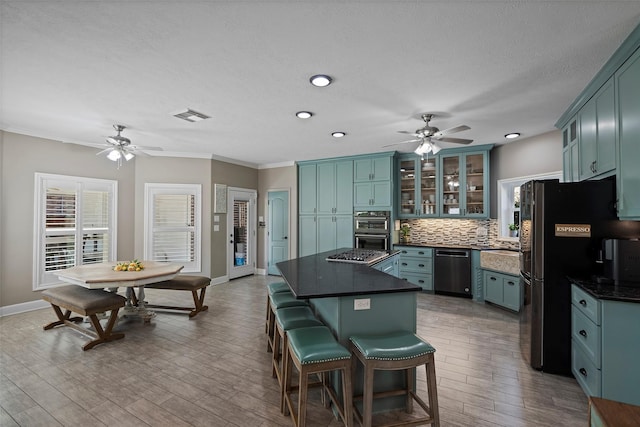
[(213, 370)]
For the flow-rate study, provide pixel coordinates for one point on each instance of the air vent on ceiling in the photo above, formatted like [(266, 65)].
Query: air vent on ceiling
[(191, 116)]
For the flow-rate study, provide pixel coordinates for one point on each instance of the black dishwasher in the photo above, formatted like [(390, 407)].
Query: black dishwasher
[(452, 272)]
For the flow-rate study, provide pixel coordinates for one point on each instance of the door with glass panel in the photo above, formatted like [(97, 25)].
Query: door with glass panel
[(241, 229)]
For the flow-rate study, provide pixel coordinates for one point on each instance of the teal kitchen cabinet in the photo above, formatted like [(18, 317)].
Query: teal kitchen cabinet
[(416, 265), (325, 205), (307, 189), (334, 231), (389, 265), (605, 347), (597, 134), (570, 153), (372, 182), (627, 82), (464, 184), (503, 290), (418, 186)]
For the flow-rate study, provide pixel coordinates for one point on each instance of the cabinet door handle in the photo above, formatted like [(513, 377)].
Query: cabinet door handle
[(583, 333), (583, 303), (510, 283), (421, 281), (421, 253), (583, 372), (404, 263), (493, 278), (420, 265), (404, 252)]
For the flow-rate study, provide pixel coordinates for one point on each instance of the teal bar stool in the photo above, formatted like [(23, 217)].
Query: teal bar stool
[(276, 301), (286, 320), (396, 351), (314, 350), (273, 288)]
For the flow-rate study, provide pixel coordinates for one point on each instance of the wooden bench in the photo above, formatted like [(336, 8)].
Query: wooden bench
[(87, 302), (182, 283)]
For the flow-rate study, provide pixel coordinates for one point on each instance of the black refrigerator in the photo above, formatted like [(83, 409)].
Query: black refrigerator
[(561, 229)]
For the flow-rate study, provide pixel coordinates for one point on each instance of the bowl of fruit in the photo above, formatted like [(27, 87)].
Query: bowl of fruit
[(134, 265)]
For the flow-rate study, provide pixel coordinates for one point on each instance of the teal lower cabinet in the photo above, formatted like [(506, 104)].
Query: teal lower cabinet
[(605, 343), (416, 266), (390, 265), (502, 289)]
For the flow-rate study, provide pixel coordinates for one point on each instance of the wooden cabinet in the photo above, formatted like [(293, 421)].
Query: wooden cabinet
[(597, 134), (627, 82), (464, 185), (390, 265), (503, 290), (453, 184), (325, 206), (604, 346), (416, 266), (418, 184), (372, 182), (570, 153)]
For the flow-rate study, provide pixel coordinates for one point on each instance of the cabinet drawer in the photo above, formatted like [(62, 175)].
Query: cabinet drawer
[(586, 334), (588, 376), (406, 251), (417, 265), (587, 304), (425, 281)]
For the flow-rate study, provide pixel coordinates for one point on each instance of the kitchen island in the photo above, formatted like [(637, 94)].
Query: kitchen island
[(355, 299)]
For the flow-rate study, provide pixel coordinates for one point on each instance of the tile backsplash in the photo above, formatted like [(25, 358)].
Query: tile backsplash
[(457, 232)]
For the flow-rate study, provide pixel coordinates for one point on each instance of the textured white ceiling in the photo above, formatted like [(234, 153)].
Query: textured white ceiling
[(71, 69)]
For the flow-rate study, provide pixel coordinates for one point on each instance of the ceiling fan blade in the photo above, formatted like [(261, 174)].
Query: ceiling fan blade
[(407, 132), (452, 130), (403, 142), (141, 147), (455, 140), (106, 150)]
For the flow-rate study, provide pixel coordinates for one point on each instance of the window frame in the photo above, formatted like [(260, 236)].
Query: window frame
[(151, 189), (43, 181)]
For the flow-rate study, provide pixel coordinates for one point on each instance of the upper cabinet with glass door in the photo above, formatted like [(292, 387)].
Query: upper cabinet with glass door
[(465, 184), (418, 194)]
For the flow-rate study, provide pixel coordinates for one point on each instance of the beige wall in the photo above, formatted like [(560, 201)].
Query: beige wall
[(530, 156), (23, 156), (280, 179)]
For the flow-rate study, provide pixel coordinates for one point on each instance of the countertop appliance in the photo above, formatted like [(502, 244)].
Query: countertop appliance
[(561, 230), (358, 256), (452, 272), (372, 230)]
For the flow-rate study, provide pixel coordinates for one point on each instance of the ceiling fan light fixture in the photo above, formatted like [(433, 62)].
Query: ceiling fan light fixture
[(435, 148), (304, 114), (423, 148), (338, 134), (512, 135), (114, 155), (320, 80), (128, 156)]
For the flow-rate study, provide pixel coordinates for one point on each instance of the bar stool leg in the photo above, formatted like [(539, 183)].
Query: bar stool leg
[(432, 390)]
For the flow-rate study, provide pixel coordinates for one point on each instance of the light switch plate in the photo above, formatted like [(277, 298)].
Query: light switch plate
[(362, 304)]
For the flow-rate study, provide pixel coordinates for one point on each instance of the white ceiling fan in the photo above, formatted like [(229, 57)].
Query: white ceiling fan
[(119, 147), (428, 136)]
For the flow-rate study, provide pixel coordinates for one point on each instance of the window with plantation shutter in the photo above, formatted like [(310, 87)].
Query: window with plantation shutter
[(172, 224), (74, 224)]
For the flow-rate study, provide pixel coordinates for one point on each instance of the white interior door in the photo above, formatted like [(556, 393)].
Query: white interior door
[(241, 229), (278, 229)]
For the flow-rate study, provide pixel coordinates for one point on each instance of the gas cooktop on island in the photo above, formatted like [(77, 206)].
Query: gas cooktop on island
[(358, 256)]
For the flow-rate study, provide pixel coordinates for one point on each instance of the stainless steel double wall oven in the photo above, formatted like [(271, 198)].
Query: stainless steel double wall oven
[(372, 230)]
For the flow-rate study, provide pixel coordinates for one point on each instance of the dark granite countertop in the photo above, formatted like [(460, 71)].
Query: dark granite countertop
[(609, 291), (314, 277)]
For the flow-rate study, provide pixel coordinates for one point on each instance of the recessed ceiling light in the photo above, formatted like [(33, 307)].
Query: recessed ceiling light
[(338, 134), (320, 80), (512, 135), (304, 114), (191, 115)]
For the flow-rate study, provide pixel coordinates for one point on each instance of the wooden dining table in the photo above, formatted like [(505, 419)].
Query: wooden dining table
[(102, 275)]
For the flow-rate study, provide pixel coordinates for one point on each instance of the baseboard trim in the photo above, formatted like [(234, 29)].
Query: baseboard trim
[(23, 307), (220, 280)]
